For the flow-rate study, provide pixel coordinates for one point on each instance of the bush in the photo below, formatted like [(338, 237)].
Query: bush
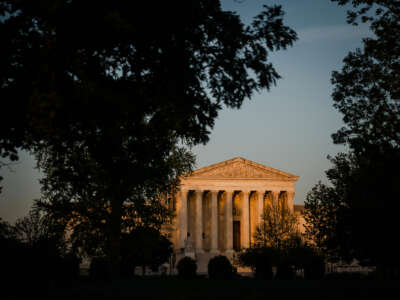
[(99, 269), (285, 272), (259, 260), (69, 269), (309, 259), (219, 267), (263, 267), (315, 268), (187, 268)]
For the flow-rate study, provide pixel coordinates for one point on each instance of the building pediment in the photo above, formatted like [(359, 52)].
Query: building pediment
[(240, 168)]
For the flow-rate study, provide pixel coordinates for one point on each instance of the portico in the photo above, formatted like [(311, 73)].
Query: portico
[(219, 206)]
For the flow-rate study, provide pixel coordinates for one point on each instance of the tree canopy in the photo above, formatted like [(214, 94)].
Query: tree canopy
[(366, 90), (358, 211), (104, 93), (70, 66)]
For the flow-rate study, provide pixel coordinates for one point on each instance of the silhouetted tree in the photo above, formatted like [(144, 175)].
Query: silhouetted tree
[(366, 90), (144, 247), (122, 82), (364, 181), (7, 231), (306, 257), (260, 260), (37, 226), (35, 250), (325, 210), (76, 194)]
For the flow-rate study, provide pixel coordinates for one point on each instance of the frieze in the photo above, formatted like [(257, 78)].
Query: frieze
[(241, 168)]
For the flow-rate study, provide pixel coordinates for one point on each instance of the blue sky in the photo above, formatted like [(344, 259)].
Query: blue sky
[(288, 128)]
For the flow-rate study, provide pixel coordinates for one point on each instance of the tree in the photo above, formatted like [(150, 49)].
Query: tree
[(366, 92), (126, 88), (37, 226), (278, 227), (274, 241), (325, 211), (260, 260), (6, 230), (144, 247), (76, 194), (367, 88), (35, 250)]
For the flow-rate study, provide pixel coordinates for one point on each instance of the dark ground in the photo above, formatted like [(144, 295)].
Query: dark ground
[(213, 289)]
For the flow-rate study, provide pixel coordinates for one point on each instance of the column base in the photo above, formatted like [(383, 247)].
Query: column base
[(199, 251), (214, 251), (229, 253)]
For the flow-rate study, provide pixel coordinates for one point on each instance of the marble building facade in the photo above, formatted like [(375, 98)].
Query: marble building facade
[(219, 206)]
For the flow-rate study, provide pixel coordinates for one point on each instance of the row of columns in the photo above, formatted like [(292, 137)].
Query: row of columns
[(182, 213)]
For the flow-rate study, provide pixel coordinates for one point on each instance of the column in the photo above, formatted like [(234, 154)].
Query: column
[(199, 221), (290, 196), (182, 218), (275, 197), (214, 221), (260, 210), (229, 223), (246, 219)]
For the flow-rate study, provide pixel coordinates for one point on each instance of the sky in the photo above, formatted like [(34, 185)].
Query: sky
[(288, 128)]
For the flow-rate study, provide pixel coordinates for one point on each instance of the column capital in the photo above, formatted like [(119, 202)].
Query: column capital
[(216, 191), (184, 190), (246, 191)]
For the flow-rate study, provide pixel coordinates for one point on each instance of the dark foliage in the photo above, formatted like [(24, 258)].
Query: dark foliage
[(145, 247), (219, 267), (358, 212), (99, 269), (284, 271), (260, 260), (187, 268), (104, 105), (35, 251), (315, 268), (307, 258)]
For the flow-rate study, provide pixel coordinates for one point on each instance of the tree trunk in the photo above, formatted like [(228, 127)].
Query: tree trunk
[(115, 238)]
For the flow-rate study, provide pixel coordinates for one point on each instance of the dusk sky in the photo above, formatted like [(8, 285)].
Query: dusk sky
[(288, 128)]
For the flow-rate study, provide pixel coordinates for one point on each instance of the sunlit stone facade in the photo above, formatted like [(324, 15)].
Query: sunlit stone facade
[(219, 206)]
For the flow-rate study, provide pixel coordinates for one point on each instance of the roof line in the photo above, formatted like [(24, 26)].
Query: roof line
[(255, 164)]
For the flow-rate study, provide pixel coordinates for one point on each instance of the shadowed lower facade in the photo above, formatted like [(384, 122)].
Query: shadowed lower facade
[(219, 206)]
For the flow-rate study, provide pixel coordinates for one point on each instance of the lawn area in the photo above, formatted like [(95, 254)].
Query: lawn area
[(171, 288)]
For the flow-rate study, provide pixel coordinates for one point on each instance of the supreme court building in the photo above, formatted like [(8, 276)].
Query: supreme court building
[(219, 206)]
